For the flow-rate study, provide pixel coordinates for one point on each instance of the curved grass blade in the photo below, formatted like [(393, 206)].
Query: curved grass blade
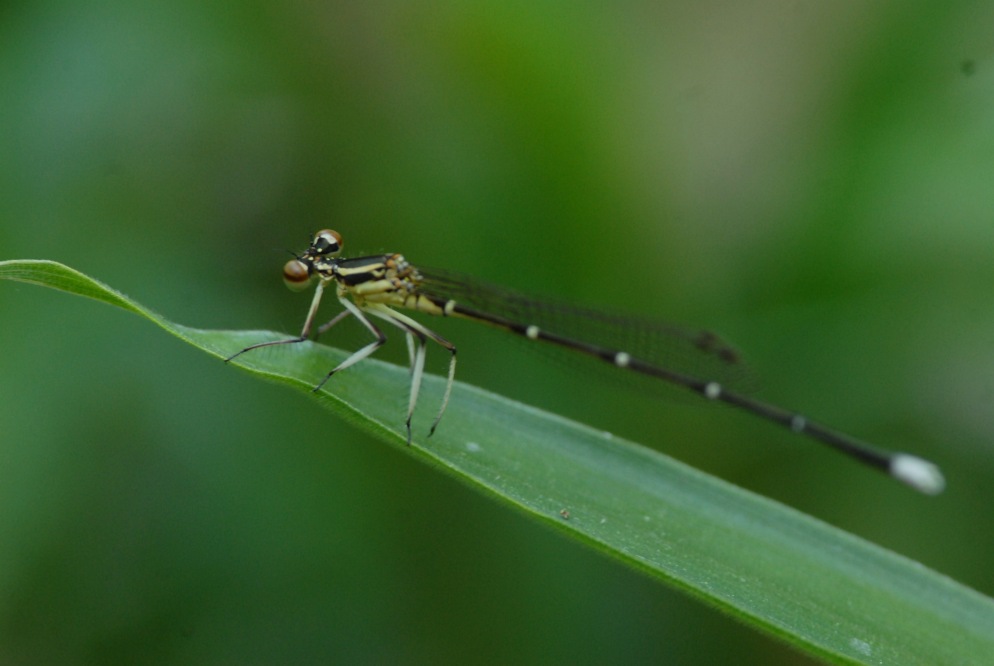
[(826, 592)]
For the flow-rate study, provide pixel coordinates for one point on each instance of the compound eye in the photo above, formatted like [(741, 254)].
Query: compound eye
[(296, 275), (327, 242)]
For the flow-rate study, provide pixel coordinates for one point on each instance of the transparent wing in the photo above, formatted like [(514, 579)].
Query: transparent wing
[(698, 353)]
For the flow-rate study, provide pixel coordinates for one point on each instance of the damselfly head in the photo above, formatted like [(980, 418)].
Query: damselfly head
[(298, 272)]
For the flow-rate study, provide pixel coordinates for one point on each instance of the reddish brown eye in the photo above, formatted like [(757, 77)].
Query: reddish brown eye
[(296, 276), (327, 242)]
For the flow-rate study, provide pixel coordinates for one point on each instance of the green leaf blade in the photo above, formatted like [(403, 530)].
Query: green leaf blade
[(829, 593)]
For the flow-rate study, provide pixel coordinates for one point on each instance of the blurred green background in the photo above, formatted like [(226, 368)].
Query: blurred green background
[(814, 182)]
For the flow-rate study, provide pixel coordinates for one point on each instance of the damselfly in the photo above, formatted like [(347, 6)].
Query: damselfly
[(377, 285)]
